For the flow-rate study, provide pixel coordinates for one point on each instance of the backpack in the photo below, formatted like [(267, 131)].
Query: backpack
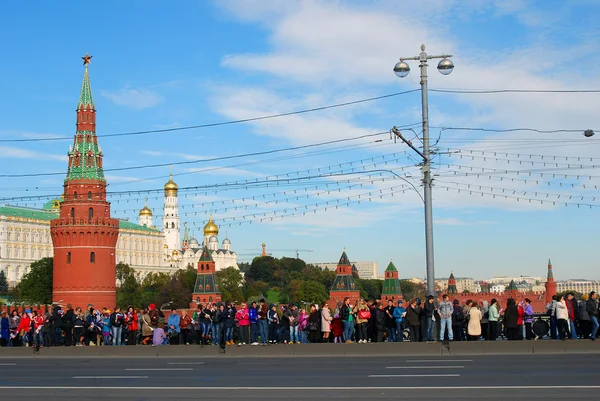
[(460, 316)]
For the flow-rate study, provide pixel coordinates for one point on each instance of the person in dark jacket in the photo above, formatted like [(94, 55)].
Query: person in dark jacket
[(67, 325), (458, 321), (379, 320), (511, 317), (314, 324), (592, 309), (57, 324), (429, 311), (413, 318), (390, 321), (573, 310)]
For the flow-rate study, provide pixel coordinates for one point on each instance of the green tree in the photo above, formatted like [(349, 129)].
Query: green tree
[(36, 286), (128, 292), (412, 290), (153, 289), (312, 292), (3, 283), (370, 288), (230, 282), (262, 269)]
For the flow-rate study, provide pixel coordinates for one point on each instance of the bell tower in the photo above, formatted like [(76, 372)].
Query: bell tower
[(84, 235)]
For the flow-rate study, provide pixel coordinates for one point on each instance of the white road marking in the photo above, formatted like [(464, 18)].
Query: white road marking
[(110, 377), (8, 364), (425, 367), (186, 363), (440, 375), (177, 388), (438, 360), (162, 369)]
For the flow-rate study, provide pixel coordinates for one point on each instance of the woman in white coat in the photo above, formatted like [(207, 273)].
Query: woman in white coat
[(562, 317), (474, 327), (325, 321)]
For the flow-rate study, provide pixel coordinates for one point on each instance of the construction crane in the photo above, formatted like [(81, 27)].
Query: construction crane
[(264, 251)]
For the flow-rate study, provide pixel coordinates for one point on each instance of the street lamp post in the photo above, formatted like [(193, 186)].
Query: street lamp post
[(445, 67)]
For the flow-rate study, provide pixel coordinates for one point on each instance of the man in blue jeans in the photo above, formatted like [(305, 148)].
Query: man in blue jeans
[(263, 311), (445, 311), (347, 320), (592, 309)]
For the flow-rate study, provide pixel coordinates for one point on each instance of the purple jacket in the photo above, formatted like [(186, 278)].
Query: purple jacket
[(528, 313)]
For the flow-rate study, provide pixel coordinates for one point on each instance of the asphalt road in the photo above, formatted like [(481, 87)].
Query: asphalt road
[(498, 377)]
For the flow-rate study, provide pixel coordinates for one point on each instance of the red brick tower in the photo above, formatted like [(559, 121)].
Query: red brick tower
[(84, 235), (391, 285), (550, 284), (206, 288), (512, 291), (452, 290), (344, 285)]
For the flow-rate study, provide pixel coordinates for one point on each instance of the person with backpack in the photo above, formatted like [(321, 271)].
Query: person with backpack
[(153, 314)]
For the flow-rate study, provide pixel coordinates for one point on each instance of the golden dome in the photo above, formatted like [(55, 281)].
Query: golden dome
[(171, 187), (211, 228), (174, 253), (145, 211)]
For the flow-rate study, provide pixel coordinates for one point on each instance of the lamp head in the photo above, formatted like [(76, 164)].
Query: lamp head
[(445, 66), (401, 69), (588, 133)]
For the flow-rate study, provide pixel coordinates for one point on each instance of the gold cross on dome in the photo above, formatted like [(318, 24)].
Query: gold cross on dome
[(87, 59)]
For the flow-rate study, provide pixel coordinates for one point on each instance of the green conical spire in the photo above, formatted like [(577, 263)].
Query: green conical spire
[(85, 97), (512, 286), (206, 256), (391, 267), (85, 156)]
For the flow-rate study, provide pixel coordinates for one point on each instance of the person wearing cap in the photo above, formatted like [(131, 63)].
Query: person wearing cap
[(399, 314), (592, 309)]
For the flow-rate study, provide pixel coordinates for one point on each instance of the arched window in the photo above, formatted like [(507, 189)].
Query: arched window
[(74, 195), (72, 212), (90, 195), (68, 257), (90, 213), (92, 257), (172, 225)]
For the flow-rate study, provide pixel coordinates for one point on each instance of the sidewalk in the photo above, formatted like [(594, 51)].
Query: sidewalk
[(326, 350)]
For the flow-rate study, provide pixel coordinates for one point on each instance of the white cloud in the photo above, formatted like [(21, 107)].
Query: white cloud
[(352, 48), (20, 153), (133, 98)]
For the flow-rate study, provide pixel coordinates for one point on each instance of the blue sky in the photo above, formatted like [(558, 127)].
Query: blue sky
[(158, 66)]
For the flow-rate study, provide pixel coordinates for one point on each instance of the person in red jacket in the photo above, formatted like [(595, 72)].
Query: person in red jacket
[(337, 328), (521, 314), (132, 321), (242, 318), (38, 326), (24, 328)]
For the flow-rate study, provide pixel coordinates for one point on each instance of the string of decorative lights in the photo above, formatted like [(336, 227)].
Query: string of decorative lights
[(518, 198), (294, 175), (523, 192)]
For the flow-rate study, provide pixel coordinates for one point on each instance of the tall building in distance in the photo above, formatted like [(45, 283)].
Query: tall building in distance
[(84, 235)]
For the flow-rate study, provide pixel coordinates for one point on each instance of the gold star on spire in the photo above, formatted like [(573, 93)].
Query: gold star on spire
[(87, 59)]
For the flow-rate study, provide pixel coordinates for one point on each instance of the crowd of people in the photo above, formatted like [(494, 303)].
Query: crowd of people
[(256, 323)]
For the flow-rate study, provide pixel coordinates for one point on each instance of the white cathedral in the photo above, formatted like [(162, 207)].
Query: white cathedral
[(25, 238)]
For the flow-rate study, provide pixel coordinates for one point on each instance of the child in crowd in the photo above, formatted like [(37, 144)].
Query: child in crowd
[(337, 328), (159, 336)]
